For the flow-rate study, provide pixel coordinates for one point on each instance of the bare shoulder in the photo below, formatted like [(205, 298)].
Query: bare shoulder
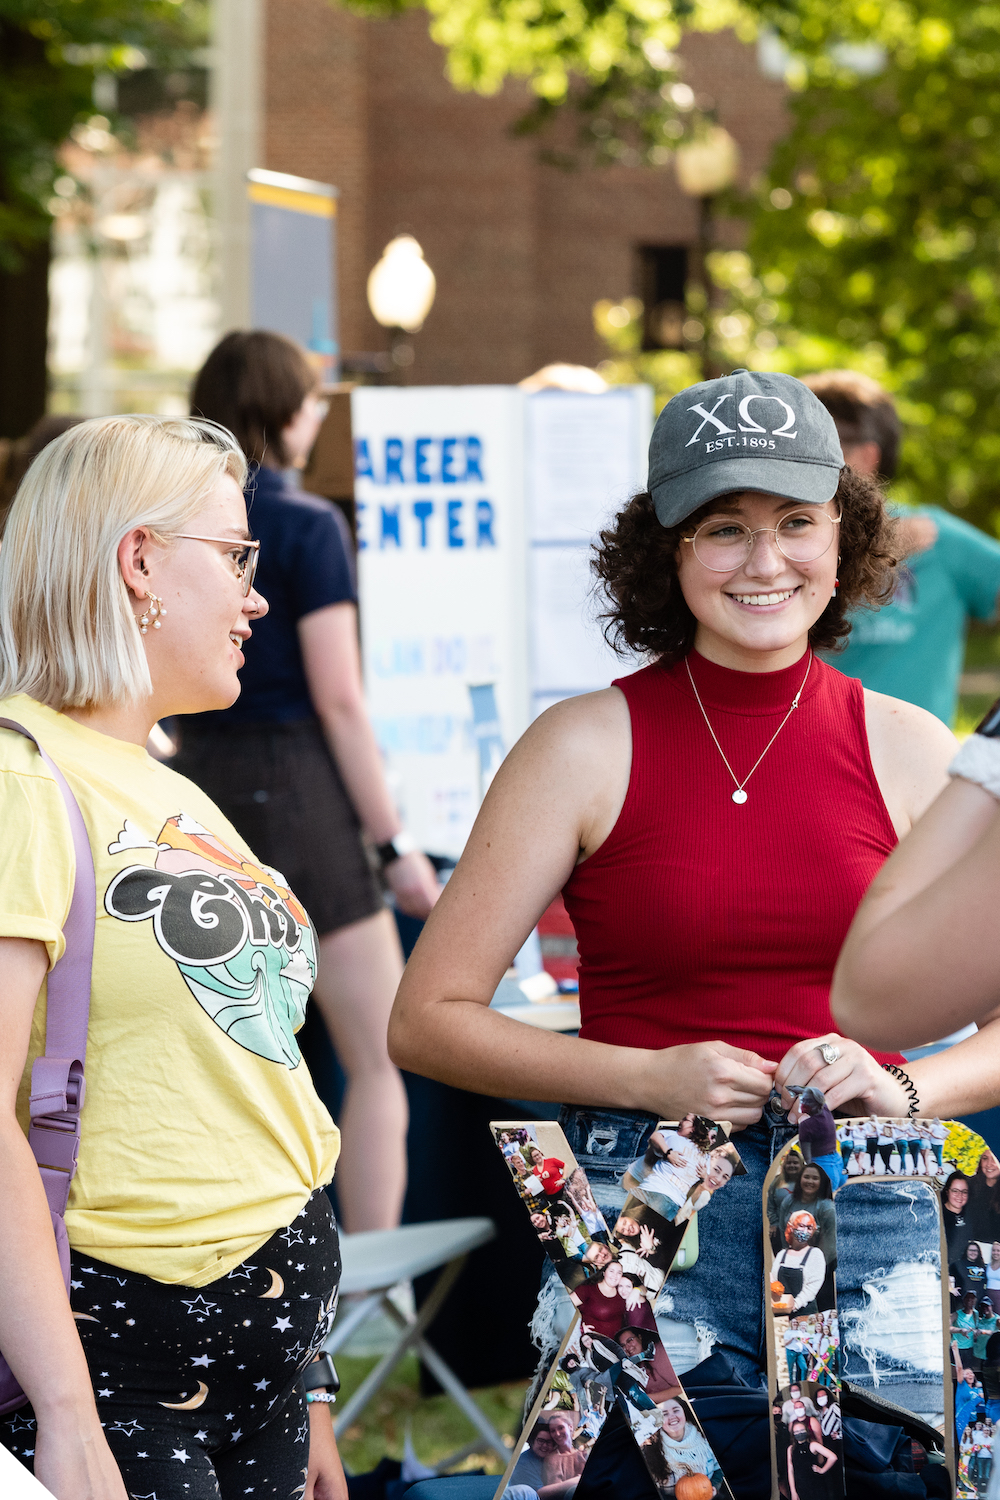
[(910, 751), (577, 757), (584, 728)]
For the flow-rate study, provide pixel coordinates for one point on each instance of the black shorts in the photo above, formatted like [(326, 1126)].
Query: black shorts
[(280, 788), (197, 1388)]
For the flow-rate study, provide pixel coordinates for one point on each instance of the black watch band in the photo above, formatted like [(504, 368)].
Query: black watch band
[(321, 1373), (394, 849)]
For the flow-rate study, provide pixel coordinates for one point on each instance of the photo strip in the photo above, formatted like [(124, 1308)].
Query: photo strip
[(800, 1228), (966, 1174), (614, 1274)]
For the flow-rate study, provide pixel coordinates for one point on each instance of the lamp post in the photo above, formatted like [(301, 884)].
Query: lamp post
[(705, 167), (401, 290)]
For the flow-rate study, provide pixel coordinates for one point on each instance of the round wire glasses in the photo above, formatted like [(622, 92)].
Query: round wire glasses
[(722, 543)]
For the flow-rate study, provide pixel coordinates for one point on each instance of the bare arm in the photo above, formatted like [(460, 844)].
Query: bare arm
[(332, 661), (554, 801), (910, 752), (922, 957), (37, 1332)]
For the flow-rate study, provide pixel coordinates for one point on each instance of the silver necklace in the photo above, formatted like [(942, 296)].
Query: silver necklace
[(740, 795)]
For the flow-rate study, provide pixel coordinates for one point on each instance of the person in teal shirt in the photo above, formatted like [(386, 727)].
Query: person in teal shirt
[(913, 647)]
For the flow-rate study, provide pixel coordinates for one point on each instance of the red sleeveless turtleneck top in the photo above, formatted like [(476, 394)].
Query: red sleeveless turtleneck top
[(699, 919)]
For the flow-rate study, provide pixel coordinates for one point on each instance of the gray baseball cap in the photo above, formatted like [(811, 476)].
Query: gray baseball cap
[(746, 431)]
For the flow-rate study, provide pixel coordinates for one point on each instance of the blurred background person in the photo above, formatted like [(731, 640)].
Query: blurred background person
[(913, 647), (16, 456), (295, 765)]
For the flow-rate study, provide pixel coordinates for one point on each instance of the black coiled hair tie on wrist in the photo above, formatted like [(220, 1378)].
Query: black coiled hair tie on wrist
[(909, 1086)]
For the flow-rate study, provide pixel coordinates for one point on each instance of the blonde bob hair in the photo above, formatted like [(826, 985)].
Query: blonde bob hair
[(68, 633)]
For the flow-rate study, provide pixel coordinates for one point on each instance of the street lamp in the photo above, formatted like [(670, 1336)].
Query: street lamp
[(705, 167), (401, 291)]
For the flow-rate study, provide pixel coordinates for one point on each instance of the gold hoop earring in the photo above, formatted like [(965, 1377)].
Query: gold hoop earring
[(152, 614)]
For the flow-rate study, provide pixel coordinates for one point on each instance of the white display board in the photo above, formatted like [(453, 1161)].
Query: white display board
[(476, 509), (585, 456), (439, 489)]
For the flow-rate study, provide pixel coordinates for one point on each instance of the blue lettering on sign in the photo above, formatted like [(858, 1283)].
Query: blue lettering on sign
[(390, 526), (423, 510), (422, 460), (484, 524), (448, 446), (454, 524), (362, 460), (473, 459), (393, 460), (455, 537)]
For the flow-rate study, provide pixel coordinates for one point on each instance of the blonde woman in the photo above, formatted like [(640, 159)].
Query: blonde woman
[(204, 1257)]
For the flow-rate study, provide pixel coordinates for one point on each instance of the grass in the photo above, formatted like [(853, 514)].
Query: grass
[(437, 1427)]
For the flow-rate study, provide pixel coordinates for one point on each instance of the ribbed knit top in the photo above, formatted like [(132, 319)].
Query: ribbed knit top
[(699, 919)]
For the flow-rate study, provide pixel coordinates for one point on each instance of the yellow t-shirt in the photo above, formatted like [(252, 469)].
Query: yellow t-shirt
[(201, 1130)]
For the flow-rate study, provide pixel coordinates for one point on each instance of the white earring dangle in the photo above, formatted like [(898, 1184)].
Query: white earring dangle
[(152, 613)]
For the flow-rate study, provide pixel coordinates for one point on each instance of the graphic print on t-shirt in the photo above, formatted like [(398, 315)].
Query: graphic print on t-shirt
[(238, 936)]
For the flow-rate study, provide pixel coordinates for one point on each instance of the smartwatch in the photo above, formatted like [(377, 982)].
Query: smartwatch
[(321, 1374)]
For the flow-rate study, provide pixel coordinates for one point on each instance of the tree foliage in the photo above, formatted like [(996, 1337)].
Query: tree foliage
[(875, 240), (50, 53)]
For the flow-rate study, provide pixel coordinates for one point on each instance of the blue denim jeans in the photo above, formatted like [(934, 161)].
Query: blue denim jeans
[(717, 1303), (889, 1292)]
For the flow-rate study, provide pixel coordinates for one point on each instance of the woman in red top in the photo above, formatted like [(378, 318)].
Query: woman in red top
[(549, 1168), (712, 839)]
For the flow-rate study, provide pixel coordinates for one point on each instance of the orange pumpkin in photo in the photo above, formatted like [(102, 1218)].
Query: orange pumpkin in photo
[(694, 1487)]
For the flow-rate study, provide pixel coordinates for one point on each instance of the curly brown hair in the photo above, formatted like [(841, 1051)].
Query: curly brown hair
[(636, 567)]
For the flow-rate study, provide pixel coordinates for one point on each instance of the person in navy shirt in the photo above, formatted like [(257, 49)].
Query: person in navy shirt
[(295, 765)]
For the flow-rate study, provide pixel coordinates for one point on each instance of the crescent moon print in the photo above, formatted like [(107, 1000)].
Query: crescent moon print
[(192, 1403), (277, 1285), (85, 1318)]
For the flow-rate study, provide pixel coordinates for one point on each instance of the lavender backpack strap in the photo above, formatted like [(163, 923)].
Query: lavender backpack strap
[(57, 1083)]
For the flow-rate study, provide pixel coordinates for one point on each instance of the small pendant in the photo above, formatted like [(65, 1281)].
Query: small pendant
[(739, 795)]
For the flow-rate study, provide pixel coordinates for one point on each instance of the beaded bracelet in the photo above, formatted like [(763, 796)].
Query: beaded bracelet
[(326, 1397), (909, 1088)]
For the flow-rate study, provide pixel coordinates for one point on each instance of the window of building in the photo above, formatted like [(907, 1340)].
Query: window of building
[(663, 272)]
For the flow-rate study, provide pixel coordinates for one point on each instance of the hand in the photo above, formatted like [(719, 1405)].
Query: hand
[(635, 1298), (75, 1463), (414, 883), (325, 1477), (854, 1083), (714, 1079), (647, 1240)]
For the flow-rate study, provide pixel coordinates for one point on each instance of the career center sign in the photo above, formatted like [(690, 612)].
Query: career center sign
[(445, 516)]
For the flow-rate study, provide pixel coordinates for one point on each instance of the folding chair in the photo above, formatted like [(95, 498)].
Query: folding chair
[(375, 1262)]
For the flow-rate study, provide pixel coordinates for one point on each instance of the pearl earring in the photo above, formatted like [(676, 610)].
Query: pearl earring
[(152, 614)]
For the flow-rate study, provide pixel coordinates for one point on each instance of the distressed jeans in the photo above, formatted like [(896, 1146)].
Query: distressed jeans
[(889, 1292), (717, 1304), (888, 1272)]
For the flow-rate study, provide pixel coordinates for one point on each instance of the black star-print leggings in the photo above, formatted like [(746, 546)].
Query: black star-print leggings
[(196, 1390)]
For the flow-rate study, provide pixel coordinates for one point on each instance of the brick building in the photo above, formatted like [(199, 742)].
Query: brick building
[(521, 250)]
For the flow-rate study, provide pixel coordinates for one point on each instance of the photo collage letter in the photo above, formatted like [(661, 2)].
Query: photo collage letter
[(884, 1268), (612, 1354)]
